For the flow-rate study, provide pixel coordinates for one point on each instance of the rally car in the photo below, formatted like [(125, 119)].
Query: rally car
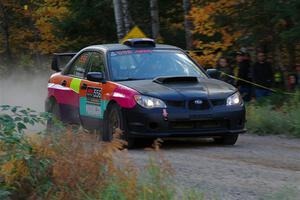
[(148, 90)]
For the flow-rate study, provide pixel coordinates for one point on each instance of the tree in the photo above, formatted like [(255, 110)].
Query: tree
[(45, 15), (84, 23), (212, 37), (188, 24), (154, 19), (13, 21), (119, 18), (5, 19), (271, 26), (128, 22)]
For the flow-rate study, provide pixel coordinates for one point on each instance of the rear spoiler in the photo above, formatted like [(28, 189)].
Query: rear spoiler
[(60, 60)]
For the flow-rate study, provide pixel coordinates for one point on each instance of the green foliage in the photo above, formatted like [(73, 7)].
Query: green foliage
[(16, 150), (113, 191), (73, 165), (156, 182), (266, 21), (275, 115), (15, 119), (89, 22), (286, 193), (4, 194), (193, 195)]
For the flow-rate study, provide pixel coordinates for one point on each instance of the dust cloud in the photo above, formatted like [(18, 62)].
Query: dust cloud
[(24, 89)]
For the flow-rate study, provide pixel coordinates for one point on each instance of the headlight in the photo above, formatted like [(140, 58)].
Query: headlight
[(234, 99), (149, 102)]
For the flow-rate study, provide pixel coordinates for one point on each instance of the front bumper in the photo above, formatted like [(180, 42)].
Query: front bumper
[(214, 122)]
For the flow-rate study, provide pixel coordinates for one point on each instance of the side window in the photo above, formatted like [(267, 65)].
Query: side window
[(96, 62), (79, 65)]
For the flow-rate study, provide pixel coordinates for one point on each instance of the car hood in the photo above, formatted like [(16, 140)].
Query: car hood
[(203, 88)]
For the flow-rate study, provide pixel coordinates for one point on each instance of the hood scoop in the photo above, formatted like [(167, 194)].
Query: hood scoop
[(176, 79)]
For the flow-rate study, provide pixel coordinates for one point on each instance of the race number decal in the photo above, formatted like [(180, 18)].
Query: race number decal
[(93, 103), (94, 95)]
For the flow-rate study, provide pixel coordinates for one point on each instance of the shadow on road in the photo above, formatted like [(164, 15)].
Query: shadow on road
[(188, 143)]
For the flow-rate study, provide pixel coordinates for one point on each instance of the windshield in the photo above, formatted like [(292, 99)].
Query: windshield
[(149, 64)]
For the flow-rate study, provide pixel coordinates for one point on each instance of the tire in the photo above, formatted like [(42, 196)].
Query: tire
[(114, 119), (55, 111), (226, 140)]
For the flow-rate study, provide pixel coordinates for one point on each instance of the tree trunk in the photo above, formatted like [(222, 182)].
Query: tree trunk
[(7, 43), (188, 25), (5, 29), (291, 48), (154, 18), (128, 22), (119, 18), (278, 56)]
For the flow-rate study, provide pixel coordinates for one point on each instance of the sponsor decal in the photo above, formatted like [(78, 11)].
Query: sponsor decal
[(120, 53), (93, 110), (140, 51), (83, 58), (75, 84), (93, 101), (128, 52), (94, 95)]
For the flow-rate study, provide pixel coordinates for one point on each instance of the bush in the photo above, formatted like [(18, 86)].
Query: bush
[(275, 115), (286, 193), (19, 164), (73, 164)]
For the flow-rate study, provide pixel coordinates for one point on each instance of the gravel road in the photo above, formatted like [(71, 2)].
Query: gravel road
[(255, 167)]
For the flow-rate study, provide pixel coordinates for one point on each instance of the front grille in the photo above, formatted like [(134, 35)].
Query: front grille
[(218, 102), (200, 124), (192, 105), (202, 105), (178, 104)]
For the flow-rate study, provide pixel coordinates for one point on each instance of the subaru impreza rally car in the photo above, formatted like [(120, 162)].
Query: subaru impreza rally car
[(148, 90)]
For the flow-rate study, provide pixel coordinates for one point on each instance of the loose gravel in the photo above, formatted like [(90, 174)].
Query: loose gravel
[(255, 167)]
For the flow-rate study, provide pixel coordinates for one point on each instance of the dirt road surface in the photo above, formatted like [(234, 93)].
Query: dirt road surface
[(255, 167)]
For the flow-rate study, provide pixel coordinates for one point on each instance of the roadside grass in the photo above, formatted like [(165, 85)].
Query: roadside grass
[(73, 164), (277, 115), (286, 193)]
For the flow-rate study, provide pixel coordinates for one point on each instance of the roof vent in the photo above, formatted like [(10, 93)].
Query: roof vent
[(140, 42)]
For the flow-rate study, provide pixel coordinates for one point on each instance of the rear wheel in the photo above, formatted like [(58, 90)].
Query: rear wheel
[(114, 119), (226, 140)]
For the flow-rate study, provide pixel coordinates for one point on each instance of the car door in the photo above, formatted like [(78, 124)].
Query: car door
[(67, 88), (91, 105)]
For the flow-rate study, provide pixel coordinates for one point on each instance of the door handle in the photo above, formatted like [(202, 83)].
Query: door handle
[(64, 83), (84, 86)]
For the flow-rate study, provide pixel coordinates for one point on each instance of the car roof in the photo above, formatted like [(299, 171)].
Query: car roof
[(115, 47)]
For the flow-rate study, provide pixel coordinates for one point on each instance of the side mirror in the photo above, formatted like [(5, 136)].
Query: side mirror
[(213, 73), (95, 76), (54, 64)]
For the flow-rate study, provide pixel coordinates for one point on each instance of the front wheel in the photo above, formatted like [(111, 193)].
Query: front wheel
[(226, 140), (114, 120)]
